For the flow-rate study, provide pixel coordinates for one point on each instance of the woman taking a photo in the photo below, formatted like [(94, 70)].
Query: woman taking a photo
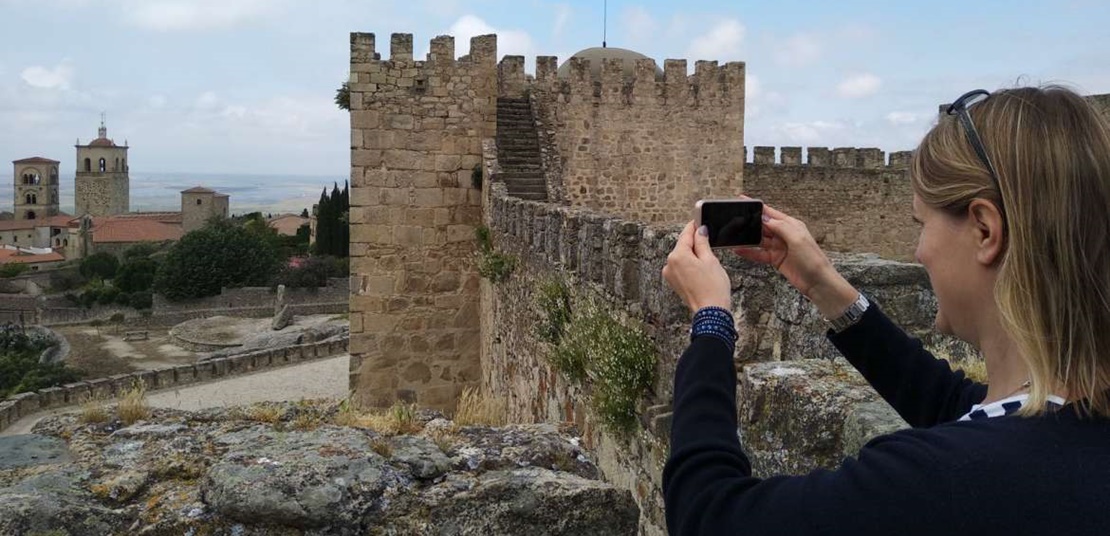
[(1012, 195)]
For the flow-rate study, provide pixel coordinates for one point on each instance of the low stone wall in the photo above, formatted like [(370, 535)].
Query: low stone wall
[(23, 404), (618, 263), (77, 316), (237, 298)]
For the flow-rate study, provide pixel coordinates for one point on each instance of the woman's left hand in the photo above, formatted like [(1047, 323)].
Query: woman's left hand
[(695, 273)]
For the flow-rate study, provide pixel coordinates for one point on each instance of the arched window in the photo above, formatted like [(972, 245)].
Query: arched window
[(57, 242), (103, 165), (54, 175), (27, 199), (116, 167), (125, 164), (30, 214), (88, 165), (34, 199), (198, 201), (65, 243)]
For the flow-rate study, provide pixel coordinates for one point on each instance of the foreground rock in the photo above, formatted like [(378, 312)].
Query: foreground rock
[(286, 469)]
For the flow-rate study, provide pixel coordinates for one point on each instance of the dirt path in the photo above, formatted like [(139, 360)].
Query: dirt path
[(325, 378)]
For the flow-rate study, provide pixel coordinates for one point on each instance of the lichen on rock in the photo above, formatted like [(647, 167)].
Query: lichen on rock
[(217, 472)]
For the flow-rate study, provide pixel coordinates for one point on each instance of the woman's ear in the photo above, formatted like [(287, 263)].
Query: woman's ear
[(987, 224)]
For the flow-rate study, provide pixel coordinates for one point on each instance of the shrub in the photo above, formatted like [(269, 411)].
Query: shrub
[(142, 300), (492, 265), (136, 274), (618, 360), (12, 269), (66, 280), (221, 254), (101, 265), (140, 251), (20, 370), (553, 301)]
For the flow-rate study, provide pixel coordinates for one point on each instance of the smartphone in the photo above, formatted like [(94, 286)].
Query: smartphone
[(732, 223)]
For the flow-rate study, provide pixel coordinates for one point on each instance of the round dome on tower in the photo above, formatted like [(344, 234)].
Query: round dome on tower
[(596, 54), (102, 142)]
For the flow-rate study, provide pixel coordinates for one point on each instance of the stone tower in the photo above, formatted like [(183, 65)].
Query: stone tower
[(36, 188), (102, 183), (200, 204), (416, 136)]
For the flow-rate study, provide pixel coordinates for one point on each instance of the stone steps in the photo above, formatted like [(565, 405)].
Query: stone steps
[(518, 150)]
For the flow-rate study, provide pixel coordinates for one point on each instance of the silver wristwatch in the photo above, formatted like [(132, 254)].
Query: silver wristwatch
[(851, 315)]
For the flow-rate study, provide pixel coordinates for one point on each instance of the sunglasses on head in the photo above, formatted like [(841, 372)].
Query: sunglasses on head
[(959, 108)]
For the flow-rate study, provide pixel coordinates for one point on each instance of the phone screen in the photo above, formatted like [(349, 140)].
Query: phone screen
[(733, 223)]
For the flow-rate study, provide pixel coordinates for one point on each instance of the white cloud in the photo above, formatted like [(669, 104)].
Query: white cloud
[(904, 118), (178, 15), (859, 85), (156, 102), (799, 50), (562, 17), (813, 132), (639, 25), (509, 42), (41, 77), (758, 100), (722, 42)]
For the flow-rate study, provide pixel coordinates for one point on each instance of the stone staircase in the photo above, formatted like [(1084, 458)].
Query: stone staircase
[(518, 150)]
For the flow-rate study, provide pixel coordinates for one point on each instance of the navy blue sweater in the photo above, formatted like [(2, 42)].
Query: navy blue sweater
[(1004, 475)]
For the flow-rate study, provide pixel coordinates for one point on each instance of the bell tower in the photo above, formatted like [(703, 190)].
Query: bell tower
[(102, 184), (36, 188)]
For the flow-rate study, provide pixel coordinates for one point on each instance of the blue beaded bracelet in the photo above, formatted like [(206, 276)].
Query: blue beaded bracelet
[(715, 322)]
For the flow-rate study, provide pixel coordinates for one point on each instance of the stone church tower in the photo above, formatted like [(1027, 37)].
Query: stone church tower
[(102, 183), (36, 188)]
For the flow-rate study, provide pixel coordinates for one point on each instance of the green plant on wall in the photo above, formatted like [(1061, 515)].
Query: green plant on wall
[(492, 264), (553, 301), (618, 360)]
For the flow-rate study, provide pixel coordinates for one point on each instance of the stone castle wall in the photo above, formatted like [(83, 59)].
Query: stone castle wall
[(618, 263), (852, 199), (416, 131), (644, 147)]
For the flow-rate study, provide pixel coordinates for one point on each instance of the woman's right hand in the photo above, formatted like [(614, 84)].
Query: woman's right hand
[(789, 247)]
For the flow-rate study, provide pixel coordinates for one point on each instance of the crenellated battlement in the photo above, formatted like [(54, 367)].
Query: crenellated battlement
[(840, 157), (711, 83), (434, 76)]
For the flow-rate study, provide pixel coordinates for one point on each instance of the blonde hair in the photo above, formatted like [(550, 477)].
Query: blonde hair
[(1051, 150)]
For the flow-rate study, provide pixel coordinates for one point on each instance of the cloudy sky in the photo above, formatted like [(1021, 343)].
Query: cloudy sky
[(246, 86)]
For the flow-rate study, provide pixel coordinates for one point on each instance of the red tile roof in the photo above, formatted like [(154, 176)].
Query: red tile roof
[(61, 220), (25, 257), (102, 142), (164, 217), (35, 160), (116, 229)]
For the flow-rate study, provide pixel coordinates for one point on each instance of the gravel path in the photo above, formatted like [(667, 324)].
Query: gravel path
[(325, 378)]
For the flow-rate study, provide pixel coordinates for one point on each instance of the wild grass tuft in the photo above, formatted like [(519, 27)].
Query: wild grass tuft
[(478, 409)]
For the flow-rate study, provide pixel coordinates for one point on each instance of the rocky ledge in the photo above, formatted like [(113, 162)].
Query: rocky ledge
[(287, 469)]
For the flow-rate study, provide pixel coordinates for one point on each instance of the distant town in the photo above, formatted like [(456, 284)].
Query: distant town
[(38, 234)]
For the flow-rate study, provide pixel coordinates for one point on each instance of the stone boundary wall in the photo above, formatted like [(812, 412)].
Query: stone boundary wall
[(338, 288), (77, 316), (618, 263), (852, 199), (16, 407)]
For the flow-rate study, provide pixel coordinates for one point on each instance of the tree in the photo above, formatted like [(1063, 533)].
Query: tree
[(221, 254), (343, 97), (333, 235), (136, 274), (102, 265)]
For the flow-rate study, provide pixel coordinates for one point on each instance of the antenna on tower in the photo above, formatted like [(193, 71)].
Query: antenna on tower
[(605, 24)]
